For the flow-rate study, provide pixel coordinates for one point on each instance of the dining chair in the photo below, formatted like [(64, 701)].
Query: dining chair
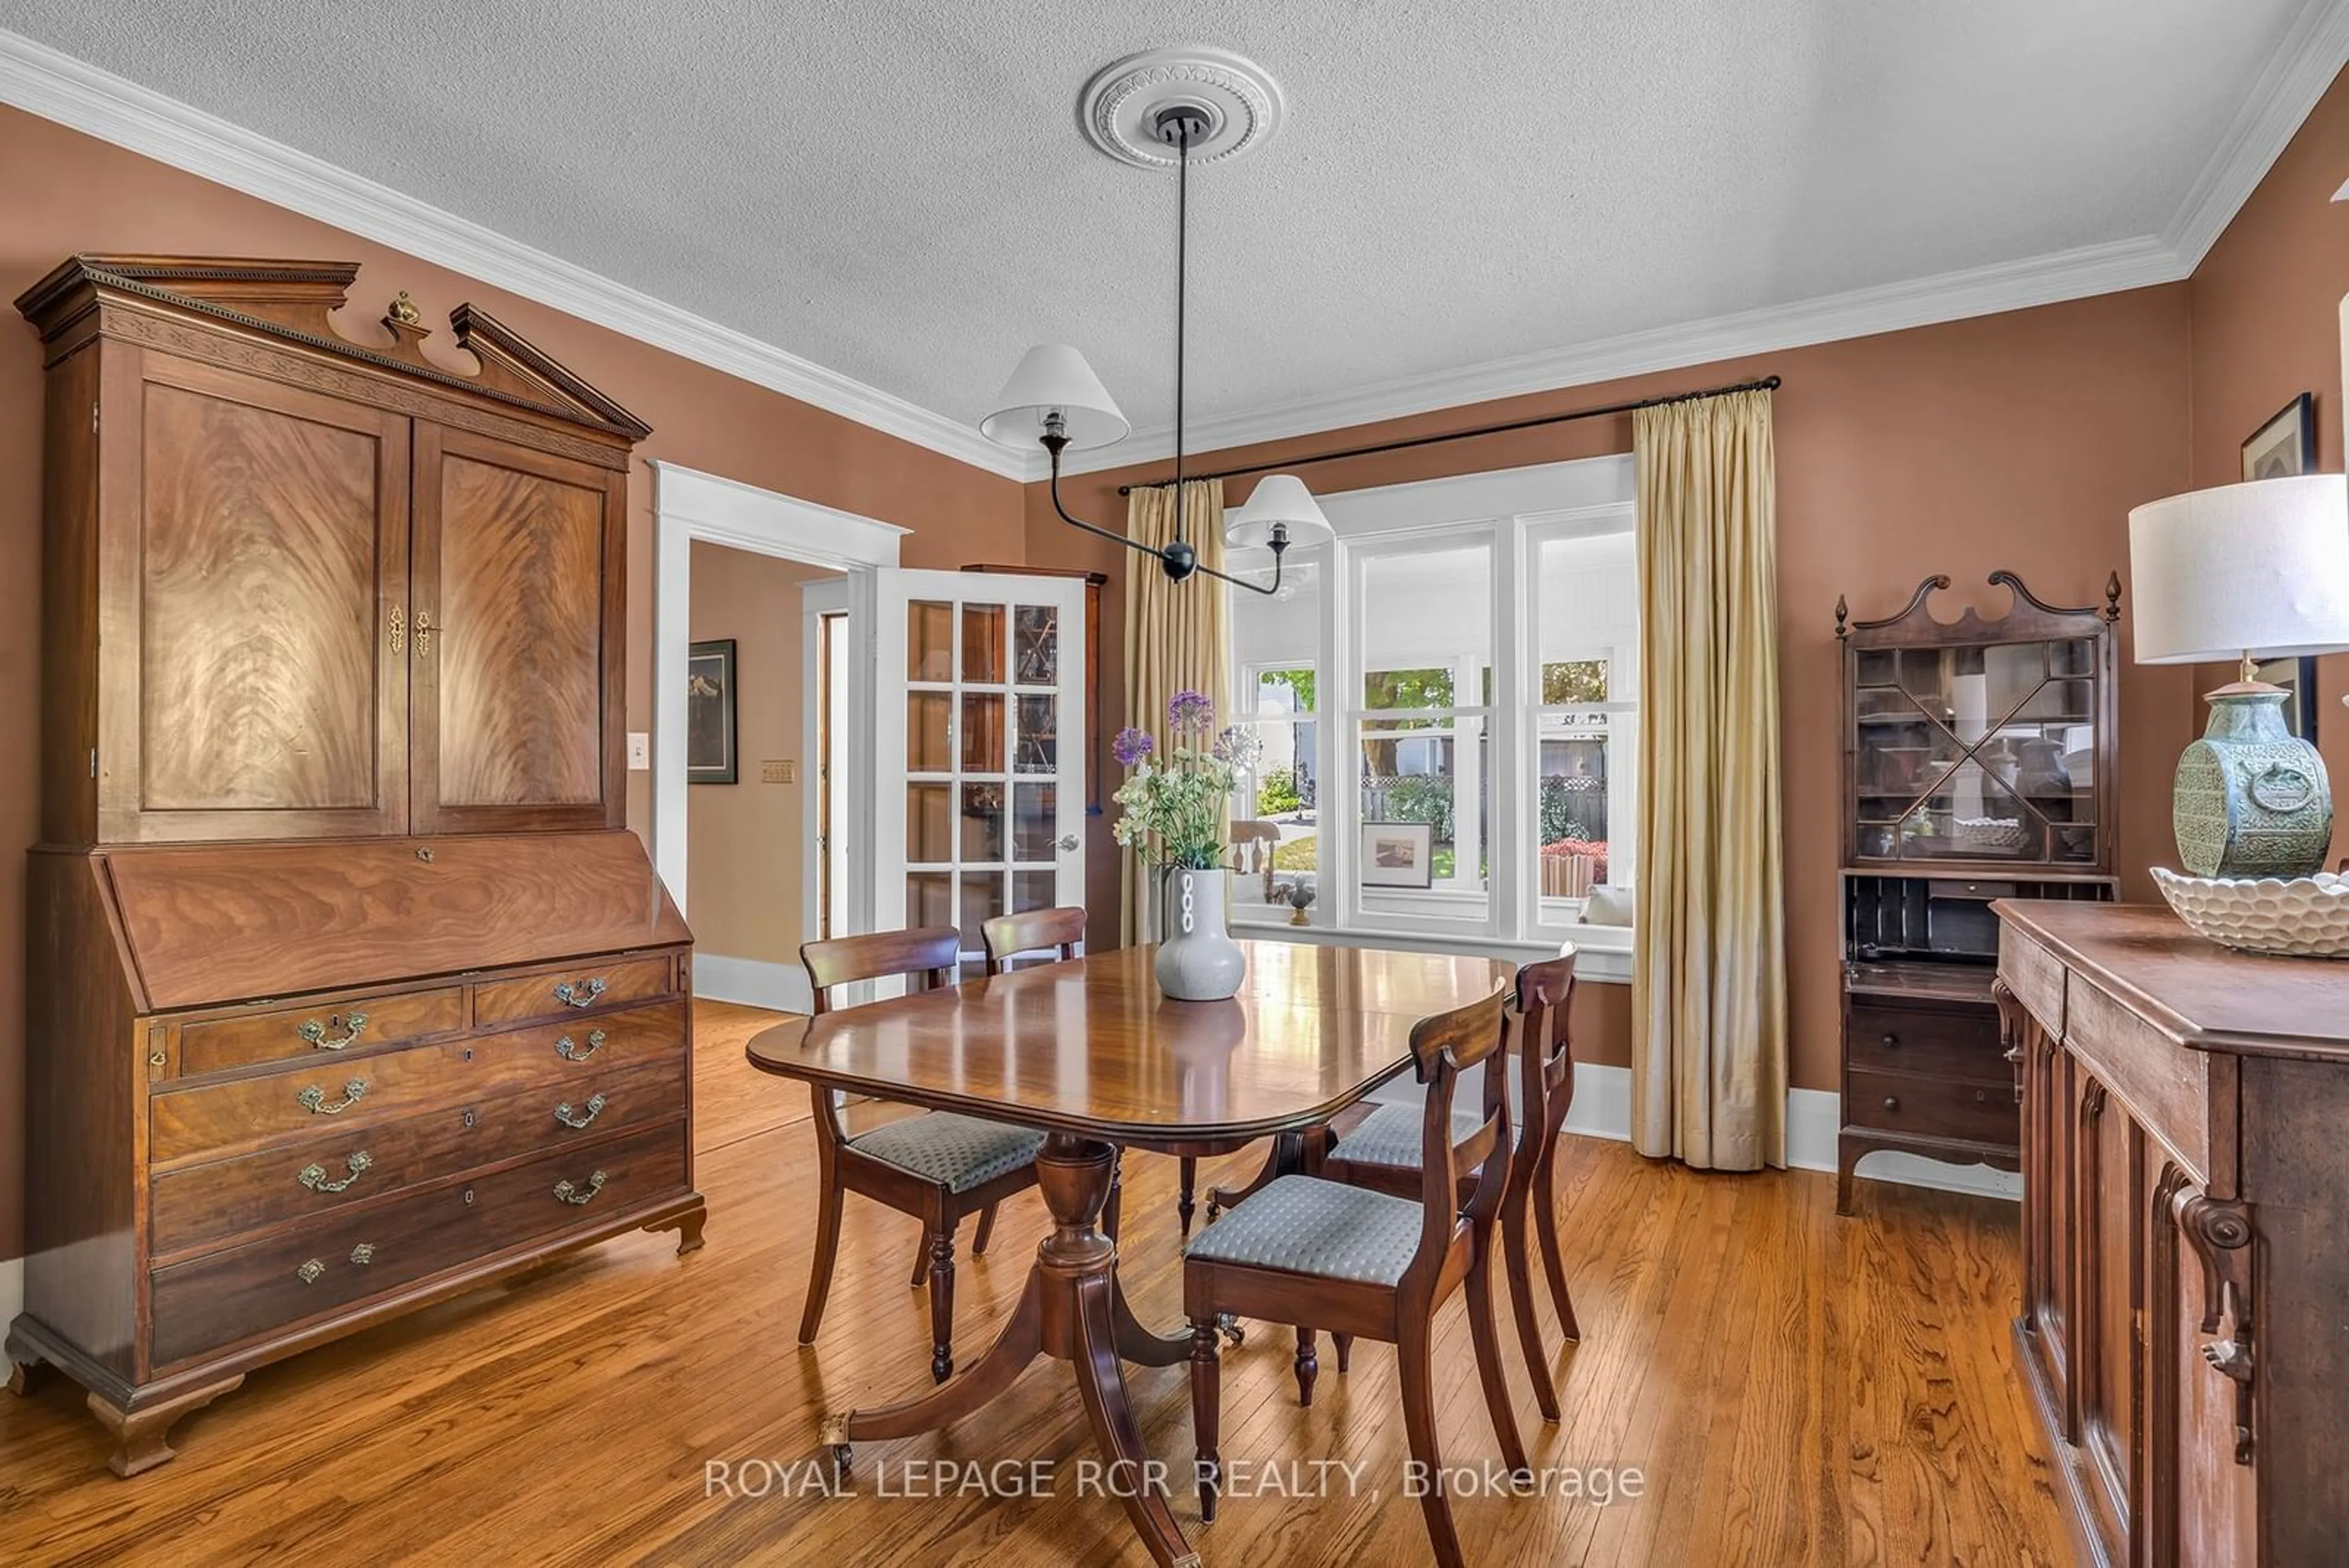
[(934, 1165), (1062, 932), (1382, 1152), (1324, 1255), (1254, 846)]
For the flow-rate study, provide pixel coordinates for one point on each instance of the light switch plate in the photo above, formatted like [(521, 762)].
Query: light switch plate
[(779, 773), (640, 750)]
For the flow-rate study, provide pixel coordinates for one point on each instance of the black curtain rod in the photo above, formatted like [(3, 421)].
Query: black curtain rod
[(1767, 384)]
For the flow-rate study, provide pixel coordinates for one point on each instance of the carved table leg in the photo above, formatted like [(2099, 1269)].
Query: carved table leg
[(28, 1367), (1071, 1310), (139, 1434)]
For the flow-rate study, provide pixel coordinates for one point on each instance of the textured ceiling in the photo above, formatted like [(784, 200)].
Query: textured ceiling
[(897, 189)]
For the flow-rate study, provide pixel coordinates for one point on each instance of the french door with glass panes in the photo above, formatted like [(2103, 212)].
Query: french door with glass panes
[(979, 748)]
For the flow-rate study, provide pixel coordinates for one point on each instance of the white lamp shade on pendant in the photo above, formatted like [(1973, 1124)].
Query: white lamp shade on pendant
[(2260, 568), (1053, 377), (1278, 498)]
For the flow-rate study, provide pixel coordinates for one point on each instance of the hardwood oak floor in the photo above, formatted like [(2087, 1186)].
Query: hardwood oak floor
[(1791, 1389)]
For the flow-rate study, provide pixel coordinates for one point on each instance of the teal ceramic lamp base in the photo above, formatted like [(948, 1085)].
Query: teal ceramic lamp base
[(2251, 798)]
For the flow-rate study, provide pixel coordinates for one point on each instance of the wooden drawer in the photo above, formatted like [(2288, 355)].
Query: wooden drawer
[(567, 992), (1933, 1107), (202, 1206), (223, 1119), (247, 1292), (320, 1030), (1960, 1043)]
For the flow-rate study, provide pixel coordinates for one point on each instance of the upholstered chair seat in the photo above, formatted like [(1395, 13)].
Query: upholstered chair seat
[(1306, 1226), (1390, 1135), (958, 1153)]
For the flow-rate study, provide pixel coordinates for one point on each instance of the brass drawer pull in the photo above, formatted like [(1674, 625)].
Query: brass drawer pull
[(579, 994), (1891, 1102), (594, 1108), (363, 1254), (1891, 1041), (314, 1099), (352, 1025), (570, 1051), (314, 1177), (309, 1273), (568, 1193)]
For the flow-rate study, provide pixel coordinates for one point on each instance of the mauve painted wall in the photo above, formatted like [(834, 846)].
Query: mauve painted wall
[(2017, 441), (2266, 327), (61, 191)]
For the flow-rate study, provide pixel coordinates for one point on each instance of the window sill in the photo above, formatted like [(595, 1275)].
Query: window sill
[(1603, 953)]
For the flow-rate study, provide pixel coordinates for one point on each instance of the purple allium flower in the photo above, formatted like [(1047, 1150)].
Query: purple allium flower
[(1131, 746), (1191, 711)]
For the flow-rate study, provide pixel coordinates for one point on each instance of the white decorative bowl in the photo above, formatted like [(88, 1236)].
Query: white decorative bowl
[(2307, 917)]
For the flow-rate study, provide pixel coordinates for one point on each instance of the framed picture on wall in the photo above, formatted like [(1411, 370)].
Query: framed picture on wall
[(2286, 445), (710, 713), (1398, 854)]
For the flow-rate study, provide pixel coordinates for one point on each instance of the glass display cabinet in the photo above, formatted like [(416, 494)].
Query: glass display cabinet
[(1978, 764)]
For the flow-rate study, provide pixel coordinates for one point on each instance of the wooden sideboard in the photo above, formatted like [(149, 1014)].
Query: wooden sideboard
[(2186, 1199), (348, 989)]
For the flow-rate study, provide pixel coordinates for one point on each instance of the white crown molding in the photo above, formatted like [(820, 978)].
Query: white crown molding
[(42, 81), (1862, 312), (2314, 51)]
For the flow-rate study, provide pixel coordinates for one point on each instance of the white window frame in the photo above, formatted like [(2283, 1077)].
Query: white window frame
[(1515, 509)]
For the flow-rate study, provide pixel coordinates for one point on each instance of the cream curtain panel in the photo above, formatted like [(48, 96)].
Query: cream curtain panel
[(1176, 636), (1709, 974)]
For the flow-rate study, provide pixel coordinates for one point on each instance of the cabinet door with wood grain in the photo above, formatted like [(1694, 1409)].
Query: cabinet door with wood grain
[(518, 561), (254, 562)]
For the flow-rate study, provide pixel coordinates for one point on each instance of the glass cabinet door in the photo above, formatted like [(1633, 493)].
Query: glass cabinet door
[(1977, 753)]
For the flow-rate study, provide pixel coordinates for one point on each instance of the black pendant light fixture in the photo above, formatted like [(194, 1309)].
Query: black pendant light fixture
[(1054, 398)]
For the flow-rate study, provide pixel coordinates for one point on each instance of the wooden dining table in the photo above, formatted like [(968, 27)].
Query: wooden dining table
[(1088, 1052)]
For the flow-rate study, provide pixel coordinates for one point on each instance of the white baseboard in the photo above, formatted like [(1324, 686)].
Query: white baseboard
[(11, 1290), (753, 983)]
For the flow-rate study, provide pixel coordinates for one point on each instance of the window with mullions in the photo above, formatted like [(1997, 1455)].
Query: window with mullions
[(1421, 733)]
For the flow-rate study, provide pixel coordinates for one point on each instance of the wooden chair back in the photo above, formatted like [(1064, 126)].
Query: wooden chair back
[(1008, 937), (1442, 1046), (1252, 844), (1545, 1041), (932, 954)]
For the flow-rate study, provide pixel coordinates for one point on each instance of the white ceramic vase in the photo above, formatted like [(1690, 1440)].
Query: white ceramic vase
[(1197, 959)]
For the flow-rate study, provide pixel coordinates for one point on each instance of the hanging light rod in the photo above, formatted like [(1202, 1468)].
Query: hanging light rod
[(1223, 105), (1767, 384)]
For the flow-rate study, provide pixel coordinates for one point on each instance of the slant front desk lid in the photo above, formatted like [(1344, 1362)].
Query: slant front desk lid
[(213, 923)]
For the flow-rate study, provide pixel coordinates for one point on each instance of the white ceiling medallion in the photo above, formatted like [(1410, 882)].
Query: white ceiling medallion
[(1120, 106)]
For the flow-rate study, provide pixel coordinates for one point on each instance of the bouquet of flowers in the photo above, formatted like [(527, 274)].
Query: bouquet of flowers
[(1174, 809)]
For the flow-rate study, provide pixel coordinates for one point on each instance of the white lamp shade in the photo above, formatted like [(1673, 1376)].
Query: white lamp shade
[(1278, 498), (1053, 377), (2260, 568)]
